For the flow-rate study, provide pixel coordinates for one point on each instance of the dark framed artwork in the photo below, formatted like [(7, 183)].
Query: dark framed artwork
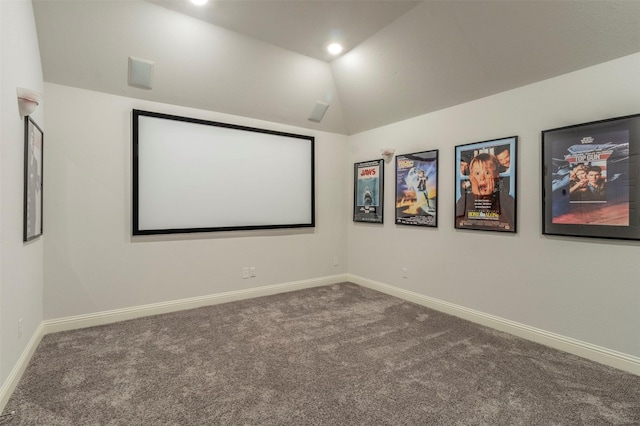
[(485, 186), (590, 179), (417, 189), (33, 144), (368, 194)]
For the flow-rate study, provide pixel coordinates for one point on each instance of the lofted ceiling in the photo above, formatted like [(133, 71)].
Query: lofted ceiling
[(265, 59), (304, 27)]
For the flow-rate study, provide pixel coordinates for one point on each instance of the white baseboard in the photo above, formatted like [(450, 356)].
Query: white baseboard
[(619, 360), (108, 317), (15, 375)]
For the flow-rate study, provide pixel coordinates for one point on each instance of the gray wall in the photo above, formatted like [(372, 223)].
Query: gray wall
[(21, 265), (584, 289), (93, 264)]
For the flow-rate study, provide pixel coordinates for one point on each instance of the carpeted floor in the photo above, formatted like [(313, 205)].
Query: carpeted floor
[(335, 355)]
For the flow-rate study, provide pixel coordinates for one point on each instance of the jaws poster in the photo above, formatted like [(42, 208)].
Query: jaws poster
[(368, 192)]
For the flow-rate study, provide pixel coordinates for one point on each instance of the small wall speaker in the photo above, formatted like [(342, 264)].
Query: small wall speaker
[(318, 111), (140, 73)]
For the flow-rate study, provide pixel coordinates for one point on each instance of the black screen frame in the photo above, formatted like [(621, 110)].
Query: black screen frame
[(136, 225)]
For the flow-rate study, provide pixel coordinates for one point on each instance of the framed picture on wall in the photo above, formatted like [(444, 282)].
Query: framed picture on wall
[(590, 179), (485, 185), (368, 197), (417, 188), (33, 143)]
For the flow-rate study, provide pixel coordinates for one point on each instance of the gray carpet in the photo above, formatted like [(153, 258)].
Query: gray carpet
[(335, 355)]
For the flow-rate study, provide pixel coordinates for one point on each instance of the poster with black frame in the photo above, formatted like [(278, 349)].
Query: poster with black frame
[(485, 185), (368, 191), (33, 156), (417, 188), (590, 179)]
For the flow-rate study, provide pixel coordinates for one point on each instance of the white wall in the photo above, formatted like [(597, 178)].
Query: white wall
[(93, 264), (585, 289), (21, 265)]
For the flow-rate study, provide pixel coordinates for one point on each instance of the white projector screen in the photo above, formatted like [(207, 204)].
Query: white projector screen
[(193, 175)]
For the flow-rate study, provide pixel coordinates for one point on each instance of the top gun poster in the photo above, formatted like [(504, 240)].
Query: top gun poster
[(417, 188), (590, 179), (368, 191)]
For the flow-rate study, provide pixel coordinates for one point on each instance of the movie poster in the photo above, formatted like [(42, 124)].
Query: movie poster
[(590, 177), (368, 191), (32, 227), (417, 189), (485, 187)]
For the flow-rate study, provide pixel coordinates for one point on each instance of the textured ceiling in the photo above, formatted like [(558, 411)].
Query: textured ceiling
[(263, 59)]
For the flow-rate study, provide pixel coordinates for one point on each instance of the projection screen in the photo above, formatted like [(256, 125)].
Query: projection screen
[(192, 175)]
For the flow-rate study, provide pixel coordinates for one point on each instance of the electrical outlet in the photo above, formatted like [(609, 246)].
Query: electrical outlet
[(20, 328), (245, 273), (335, 261), (252, 271), (405, 273)]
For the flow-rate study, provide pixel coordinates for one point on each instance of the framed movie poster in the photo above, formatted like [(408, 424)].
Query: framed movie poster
[(590, 179), (417, 189), (33, 139), (368, 191), (485, 186)]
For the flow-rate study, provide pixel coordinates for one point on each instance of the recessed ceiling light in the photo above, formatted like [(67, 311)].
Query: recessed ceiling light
[(334, 48), (199, 2)]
